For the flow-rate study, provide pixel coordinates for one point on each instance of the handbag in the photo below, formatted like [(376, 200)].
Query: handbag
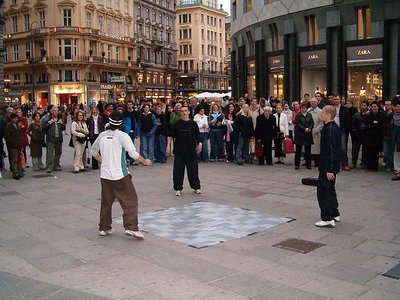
[(81, 140), (71, 143), (288, 146), (259, 151)]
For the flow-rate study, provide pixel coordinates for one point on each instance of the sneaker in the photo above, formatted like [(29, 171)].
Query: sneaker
[(198, 191), (178, 193), (328, 224), (337, 219), (135, 234), (106, 232)]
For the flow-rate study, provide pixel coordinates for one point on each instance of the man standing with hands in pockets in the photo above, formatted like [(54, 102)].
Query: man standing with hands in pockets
[(185, 133), (329, 167), (116, 182)]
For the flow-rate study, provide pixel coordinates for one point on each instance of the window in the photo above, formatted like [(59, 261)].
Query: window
[(168, 37), (312, 29), (154, 16), (116, 4), (5, 55), (363, 22), (274, 36), (167, 20), (68, 76), (109, 51), (148, 13), (15, 53), (67, 17), (247, 5), (126, 6), (101, 23), (117, 28), (109, 3), (27, 22), (14, 24), (109, 26), (202, 33), (160, 19), (89, 19), (139, 11), (100, 2), (234, 15), (42, 19), (68, 49), (202, 18), (17, 78), (202, 50), (117, 53), (126, 29), (28, 50)]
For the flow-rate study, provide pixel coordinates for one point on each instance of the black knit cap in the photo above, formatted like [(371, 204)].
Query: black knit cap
[(115, 118)]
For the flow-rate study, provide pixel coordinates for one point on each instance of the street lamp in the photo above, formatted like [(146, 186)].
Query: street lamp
[(32, 62)]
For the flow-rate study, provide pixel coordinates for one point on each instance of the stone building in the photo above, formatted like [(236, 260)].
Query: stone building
[(286, 48), (200, 29), (156, 48), (72, 51)]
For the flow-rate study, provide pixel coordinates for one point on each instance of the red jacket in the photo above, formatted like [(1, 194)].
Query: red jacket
[(24, 130)]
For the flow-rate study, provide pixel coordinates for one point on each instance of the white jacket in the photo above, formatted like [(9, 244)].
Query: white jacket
[(201, 120), (283, 126)]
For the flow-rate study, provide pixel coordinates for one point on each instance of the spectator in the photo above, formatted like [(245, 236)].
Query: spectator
[(160, 138), (53, 128), (244, 125), (315, 112), (303, 136), (388, 146), (289, 115), (359, 127), (35, 131), (373, 137), (130, 124), (265, 133), (396, 137), (193, 107), (79, 133), (147, 129), (202, 122), (13, 137), (215, 120), (95, 126), (231, 135), (282, 132), (24, 132), (107, 112)]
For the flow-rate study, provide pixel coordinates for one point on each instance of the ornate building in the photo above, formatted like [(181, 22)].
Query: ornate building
[(200, 28), (155, 37), (70, 51), (286, 48)]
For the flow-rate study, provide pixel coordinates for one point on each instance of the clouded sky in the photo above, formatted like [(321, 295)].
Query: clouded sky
[(226, 4)]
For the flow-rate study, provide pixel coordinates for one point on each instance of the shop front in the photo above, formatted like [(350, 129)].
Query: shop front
[(313, 72), (251, 78), (93, 94), (364, 72), (276, 76), (67, 94)]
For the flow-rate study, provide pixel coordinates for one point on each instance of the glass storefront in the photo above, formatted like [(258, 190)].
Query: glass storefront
[(313, 72), (364, 81), (276, 84), (251, 78)]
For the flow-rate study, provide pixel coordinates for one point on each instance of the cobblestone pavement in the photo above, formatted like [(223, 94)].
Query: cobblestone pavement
[(50, 248)]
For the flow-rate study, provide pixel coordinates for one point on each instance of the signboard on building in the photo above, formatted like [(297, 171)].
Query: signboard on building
[(367, 53), (118, 79), (316, 58), (276, 62), (68, 89)]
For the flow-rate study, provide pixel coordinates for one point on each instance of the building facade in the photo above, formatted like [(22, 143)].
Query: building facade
[(200, 30), (335, 47), (70, 51), (2, 23), (156, 48)]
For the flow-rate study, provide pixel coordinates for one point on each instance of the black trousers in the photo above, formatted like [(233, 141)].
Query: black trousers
[(267, 146), (95, 163), (372, 157), (190, 162), (307, 155), (327, 199), (356, 150)]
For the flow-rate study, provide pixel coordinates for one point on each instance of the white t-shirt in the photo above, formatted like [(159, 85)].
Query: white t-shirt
[(112, 145)]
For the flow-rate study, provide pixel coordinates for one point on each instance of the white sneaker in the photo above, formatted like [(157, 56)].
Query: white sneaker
[(136, 234), (197, 191), (106, 232), (337, 219), (329, 224), (178, 193), (1, 175)]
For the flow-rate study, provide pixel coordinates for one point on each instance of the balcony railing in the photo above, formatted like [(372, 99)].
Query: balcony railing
[(82, 59), (200, 71)]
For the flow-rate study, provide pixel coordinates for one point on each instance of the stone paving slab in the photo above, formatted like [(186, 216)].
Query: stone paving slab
[(50, 248)]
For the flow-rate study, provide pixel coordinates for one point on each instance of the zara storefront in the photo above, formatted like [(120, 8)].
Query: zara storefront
[(350, 48)]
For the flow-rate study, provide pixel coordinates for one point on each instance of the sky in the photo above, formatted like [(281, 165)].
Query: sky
[(226, 4)]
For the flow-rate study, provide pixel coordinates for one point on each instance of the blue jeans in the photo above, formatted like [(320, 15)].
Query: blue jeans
[(160, 147), (216, 138), (388, 153), (242, 150), (204, 151), (147, 145)]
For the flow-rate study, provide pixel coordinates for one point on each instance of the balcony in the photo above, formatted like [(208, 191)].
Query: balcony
[(200, 71), (80, 60)]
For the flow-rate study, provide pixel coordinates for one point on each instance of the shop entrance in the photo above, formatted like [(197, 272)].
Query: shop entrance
[(276, 84), (312, 81), (64, 99)]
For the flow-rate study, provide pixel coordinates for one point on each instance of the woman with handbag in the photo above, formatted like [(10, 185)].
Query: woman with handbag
[(79, 133), (282, 132)]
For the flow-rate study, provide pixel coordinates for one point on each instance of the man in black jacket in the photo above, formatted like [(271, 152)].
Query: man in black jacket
[(265, 133), (329, 167), (343, 120)]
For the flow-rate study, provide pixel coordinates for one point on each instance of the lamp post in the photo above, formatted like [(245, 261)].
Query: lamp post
[(32, 62)]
